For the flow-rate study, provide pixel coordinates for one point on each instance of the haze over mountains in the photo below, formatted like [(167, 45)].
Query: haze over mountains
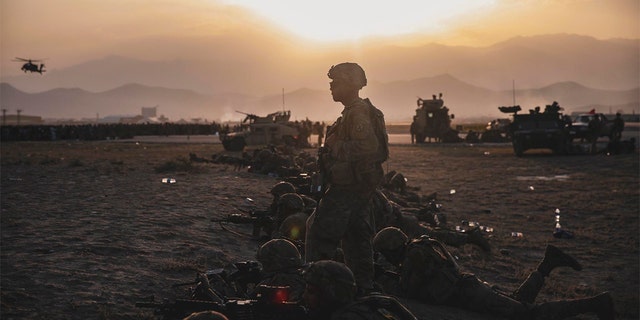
[(577, 71)]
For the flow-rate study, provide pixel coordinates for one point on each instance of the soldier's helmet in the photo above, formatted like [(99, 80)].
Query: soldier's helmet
[(282, 187), (294, 227), (279, 254), (206, 315), (334, 280), (350, 72), (291, 201), (389, 239)]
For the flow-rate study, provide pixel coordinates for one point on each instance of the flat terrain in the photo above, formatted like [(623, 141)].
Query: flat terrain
[(88, 228)]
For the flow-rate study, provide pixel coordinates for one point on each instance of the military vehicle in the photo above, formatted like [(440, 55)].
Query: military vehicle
[(539, 130), (497, 130), (580, 126), (432, 120), (272, 129)]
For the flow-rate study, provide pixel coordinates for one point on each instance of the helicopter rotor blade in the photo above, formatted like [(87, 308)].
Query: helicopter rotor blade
[(27, 60)]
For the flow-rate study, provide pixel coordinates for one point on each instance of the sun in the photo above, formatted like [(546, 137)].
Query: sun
[(337, 20)]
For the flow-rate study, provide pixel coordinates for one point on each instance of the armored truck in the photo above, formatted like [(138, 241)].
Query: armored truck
[(539, 130), (432, 120), (272, 129)]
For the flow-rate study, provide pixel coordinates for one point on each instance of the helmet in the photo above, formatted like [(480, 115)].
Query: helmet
[(389, 239), (350, 72), (278, 254), (282, 187), (291, 201), (206, 315), (334, 280), (294, 227)]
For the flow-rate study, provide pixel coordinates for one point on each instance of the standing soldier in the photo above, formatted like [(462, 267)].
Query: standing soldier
[(618, 127), (594, 131), (350, 161)]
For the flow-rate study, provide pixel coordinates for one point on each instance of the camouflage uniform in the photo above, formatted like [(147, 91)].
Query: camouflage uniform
[(352, 169), (282, 265), (429, 273), (330, 294), (389, 214), (291, 218)]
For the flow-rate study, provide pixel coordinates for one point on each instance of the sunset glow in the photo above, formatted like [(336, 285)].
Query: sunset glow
[(336, 20)]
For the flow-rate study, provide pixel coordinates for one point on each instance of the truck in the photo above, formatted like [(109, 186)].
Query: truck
[(432, 120), (580, 126), (272, 129), (539, 130)]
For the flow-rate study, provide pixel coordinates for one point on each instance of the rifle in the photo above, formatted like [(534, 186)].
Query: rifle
[(321, 177), (269, 306), (310, 185), (261, 220), (233, 279)]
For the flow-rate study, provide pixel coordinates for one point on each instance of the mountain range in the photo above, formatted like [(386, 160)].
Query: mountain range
[(396, 99), (579, 72)]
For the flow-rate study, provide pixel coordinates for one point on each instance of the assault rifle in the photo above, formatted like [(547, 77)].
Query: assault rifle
[(271, 305), (267, 307), (310, 185), (261, 220), (232, 280)]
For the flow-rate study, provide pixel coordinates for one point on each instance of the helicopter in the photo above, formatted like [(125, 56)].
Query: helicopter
[(31, 66)]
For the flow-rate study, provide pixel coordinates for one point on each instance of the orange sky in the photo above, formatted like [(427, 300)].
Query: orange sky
[(70, 31)]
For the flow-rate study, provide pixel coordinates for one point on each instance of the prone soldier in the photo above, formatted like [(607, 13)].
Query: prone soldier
[(429, 273), (331, 294)]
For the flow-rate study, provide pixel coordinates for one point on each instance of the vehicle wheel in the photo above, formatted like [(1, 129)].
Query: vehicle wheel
[(420, 138), (234, 144), (562, 146), (518, 148)]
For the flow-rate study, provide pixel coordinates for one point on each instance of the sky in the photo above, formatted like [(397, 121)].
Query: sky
[(67, 32)]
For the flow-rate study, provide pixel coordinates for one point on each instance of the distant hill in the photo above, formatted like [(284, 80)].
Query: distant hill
[(396, 99), (221, 65)]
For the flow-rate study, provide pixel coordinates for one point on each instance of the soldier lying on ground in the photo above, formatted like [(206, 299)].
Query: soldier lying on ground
[(281, 265), (291, 218), (330, 294), (389, 214), (429, 273)]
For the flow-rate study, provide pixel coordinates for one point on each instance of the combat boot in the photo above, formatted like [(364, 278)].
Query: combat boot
[(554, 257), (601, 305), (529, 289), (474, 236)]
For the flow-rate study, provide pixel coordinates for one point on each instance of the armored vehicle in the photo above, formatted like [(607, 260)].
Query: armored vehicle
[(272, 129), (497, 131), (432, 120), (539, 130)]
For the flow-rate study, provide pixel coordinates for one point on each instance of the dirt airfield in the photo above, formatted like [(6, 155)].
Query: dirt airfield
[(89, 228)]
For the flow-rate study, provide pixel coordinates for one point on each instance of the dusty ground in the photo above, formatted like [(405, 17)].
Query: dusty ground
[(88, 228)]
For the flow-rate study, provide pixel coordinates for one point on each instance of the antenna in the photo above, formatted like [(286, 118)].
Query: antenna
[(514, 92)]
